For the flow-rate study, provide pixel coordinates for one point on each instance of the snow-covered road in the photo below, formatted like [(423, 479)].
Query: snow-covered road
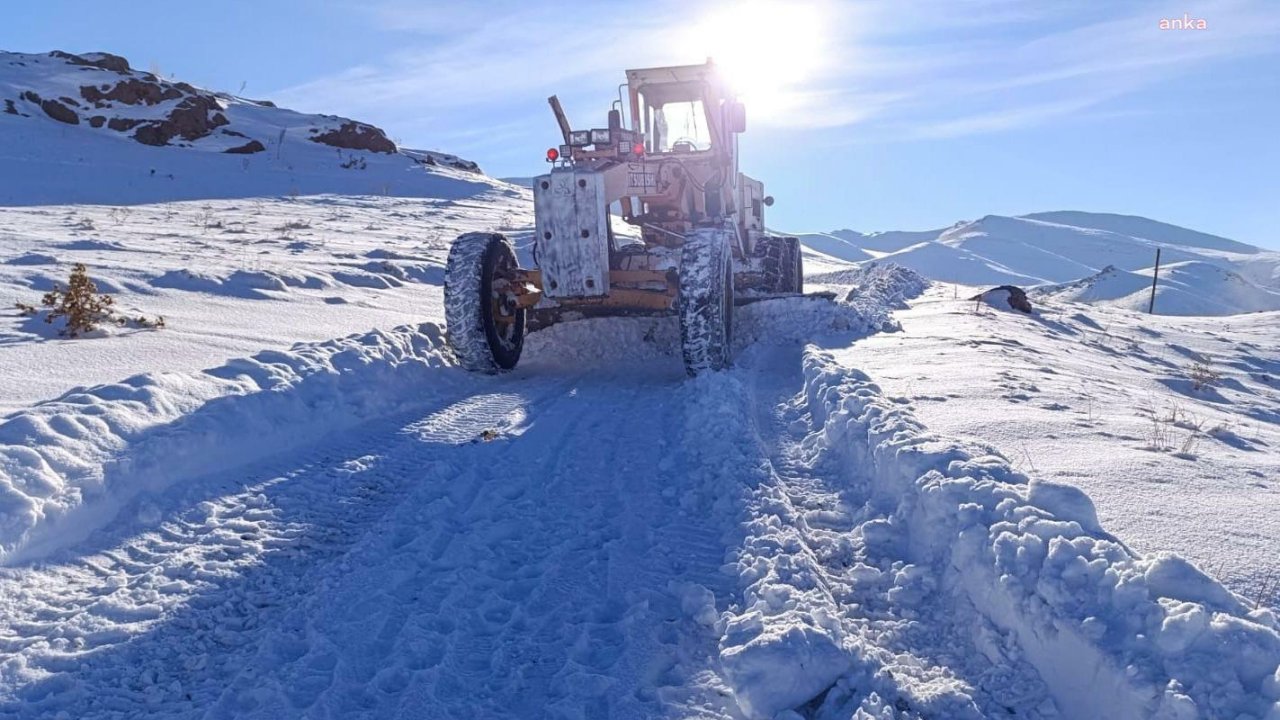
[(595, 535), (496, 551), (533, 545)]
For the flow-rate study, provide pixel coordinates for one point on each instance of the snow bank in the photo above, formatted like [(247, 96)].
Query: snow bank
[(67, 466), (1111, 633), (887, 285)]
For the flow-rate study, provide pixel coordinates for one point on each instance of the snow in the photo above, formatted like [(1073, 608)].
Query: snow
[(1102, 399), (1110, 633), (79, 164), (1087, 257), (230, 277), (1184, 288), (67, 465)]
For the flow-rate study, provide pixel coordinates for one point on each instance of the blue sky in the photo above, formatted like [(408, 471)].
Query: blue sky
[(885, 114)]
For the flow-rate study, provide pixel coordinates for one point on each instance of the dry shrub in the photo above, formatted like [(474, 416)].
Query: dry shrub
[(84, 307), (80, 303)]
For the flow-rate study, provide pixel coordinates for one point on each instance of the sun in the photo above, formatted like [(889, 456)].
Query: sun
[(766, 50)]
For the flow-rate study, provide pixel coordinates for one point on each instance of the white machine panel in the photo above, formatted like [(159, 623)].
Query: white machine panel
[(572, 221)]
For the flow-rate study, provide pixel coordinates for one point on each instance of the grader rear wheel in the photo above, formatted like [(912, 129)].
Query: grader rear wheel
[(484, 322)]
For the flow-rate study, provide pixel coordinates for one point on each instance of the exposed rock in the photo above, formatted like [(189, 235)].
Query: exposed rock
[(152, 134), (69, 101), (9, 108), (357, 136), (196, 117), (122, 124), (30, 97), (233, 133), (253, 146), (191, 120), (131, 92), (60, 112), (1011, 296), (97, 121), (106, 61)]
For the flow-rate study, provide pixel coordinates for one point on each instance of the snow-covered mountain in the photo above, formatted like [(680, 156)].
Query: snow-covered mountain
[(90, 129), (1189, 287), (1068, 250)]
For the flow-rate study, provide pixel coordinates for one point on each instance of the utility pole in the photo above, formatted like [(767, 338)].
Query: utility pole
[(1154, 277)]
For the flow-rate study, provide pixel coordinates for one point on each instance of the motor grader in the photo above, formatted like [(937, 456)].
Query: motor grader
[(666, 164)]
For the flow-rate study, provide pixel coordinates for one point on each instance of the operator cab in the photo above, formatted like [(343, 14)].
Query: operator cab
[(673, 118), (683, 109)]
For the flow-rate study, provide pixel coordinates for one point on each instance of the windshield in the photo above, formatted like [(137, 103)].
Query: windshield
[(680, 127)]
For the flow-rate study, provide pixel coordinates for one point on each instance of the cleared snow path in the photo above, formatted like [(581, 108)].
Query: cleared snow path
[(600, 537), (508, 553)]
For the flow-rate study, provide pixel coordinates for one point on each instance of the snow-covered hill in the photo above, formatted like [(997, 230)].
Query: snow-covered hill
[(1208, 275), (1190, 287), (89, 129)]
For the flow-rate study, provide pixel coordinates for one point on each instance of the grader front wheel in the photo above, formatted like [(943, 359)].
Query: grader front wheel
[(705, 301), (485, 322)]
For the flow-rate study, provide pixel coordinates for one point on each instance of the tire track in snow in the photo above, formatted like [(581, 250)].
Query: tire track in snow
[(915, 651), (160, 619), (532, 595)]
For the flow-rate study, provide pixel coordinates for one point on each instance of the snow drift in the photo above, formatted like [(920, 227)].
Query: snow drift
[(1113, 634), (66, 466)]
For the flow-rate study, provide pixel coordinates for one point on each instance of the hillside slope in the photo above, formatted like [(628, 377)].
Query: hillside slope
[(90, 129), (1184, 288), (1091, 257)]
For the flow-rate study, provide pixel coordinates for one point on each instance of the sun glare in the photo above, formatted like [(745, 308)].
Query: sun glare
[(766, 50)]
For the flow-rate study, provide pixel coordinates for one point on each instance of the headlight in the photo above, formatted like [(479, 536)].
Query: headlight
[(579, 138), (600, 137)]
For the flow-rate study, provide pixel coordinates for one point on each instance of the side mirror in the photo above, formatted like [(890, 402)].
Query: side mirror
[(768, 201), (736, 114)]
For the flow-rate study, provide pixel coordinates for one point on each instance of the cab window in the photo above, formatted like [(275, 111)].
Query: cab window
[(680, 126)]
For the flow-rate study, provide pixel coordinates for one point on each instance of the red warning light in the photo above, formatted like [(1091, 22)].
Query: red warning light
[(638, 149), (552, 154)]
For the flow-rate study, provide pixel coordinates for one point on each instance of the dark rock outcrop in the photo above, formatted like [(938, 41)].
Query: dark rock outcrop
[(60, 112), (193, 118), (1014, 296), (9, 107), (354, 135), (131, 92), (97, 121), (253, 146), (106, 61), (122, 124)]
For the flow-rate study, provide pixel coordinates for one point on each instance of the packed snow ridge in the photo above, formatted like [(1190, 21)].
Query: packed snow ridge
[(1091, 257)]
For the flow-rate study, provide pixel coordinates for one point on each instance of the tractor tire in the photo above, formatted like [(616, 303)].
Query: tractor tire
[(781, 264), (485, 328), (705, 301)]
